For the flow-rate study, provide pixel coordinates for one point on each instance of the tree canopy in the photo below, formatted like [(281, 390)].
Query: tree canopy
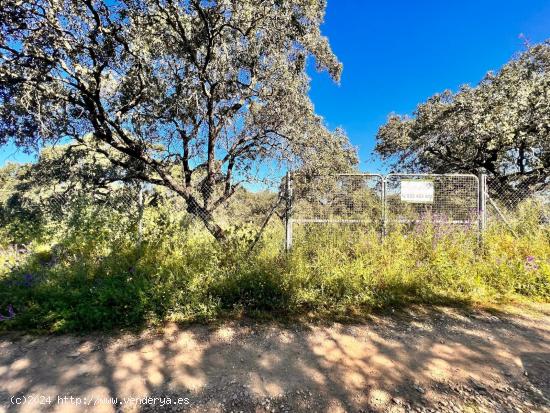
[(501, 126), (172, 92)]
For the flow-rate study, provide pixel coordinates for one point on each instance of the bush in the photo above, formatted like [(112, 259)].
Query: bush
[(93, 275)]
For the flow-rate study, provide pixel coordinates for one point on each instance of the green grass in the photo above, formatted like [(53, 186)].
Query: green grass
[(94, 277)]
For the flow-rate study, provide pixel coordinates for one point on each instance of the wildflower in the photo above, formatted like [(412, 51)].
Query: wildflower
[(530, 263), (28, 280), (11, 314)]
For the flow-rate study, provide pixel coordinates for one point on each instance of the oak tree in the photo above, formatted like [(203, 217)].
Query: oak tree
[(501, 127), (194, 95)]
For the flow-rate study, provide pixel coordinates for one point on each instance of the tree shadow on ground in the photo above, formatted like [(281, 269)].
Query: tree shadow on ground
[(421, 358)]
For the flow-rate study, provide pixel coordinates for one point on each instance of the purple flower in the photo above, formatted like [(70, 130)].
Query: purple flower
[(11, 314), (28, 280), (530, 263)]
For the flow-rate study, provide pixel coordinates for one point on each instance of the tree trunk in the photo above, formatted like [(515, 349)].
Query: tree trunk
[(213, 227), (206, 217)]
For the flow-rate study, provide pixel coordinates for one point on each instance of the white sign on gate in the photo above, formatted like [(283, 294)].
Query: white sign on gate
[(417, 191)]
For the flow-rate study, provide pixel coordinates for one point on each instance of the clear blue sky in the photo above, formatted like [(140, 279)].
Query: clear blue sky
[(398, 53)]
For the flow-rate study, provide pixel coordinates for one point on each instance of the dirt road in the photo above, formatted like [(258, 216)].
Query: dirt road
[(423, 360)]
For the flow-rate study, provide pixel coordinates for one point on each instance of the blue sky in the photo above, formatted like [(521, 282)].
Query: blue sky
[(398, 53)]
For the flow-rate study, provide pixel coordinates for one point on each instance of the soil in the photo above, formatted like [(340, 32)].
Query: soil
[(422, 359)]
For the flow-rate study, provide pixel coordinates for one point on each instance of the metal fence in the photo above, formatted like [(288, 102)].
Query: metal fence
[(402, 201), (375, 202), (355, 202), (509, 204), (438, 199), (28, 212), (24, 213)]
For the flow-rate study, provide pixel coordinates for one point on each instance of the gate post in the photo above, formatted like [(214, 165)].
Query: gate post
[(141, 206), (384, 212), (288, 213), (482, 202)]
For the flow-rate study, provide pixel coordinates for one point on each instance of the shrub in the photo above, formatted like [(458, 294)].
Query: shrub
[(92, 274)]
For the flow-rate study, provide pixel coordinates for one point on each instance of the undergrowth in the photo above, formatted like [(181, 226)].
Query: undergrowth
[(92, 274)]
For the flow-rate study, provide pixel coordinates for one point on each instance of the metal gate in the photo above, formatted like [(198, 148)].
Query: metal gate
[(374, 202), (352, 200), (440, 199)]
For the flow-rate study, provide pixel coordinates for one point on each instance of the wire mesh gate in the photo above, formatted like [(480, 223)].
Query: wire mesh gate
[(438, 199), (350, 200), (377, 203)]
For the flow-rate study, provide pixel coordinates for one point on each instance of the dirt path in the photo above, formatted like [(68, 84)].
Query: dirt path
[(424, 360)]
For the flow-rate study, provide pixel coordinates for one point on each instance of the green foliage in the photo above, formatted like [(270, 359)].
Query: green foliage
[(19, 221), (94, 276), (500, 126), (239, 96)]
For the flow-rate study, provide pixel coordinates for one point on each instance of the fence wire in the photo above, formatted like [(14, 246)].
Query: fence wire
[(510, 204), (322, 205), (438, 199), (27, 214), (123, 208), (342, 205), (344, 199)]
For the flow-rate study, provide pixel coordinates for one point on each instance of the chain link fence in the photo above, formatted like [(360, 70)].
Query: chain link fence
[(508, 204), (138, 212), (26, 214), (301, 206)]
